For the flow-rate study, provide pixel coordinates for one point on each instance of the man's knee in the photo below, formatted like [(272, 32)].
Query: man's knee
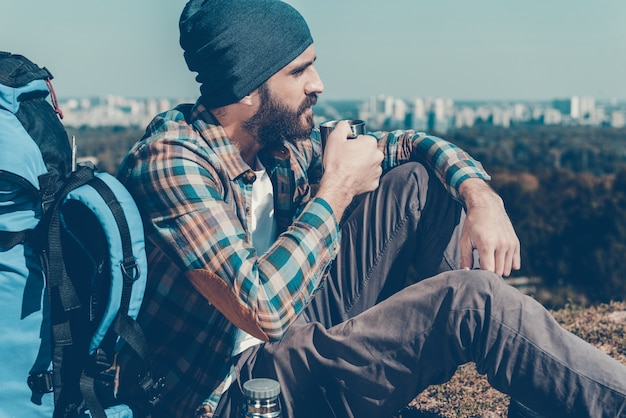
[(406, 184), (408, 174), (470, 288)]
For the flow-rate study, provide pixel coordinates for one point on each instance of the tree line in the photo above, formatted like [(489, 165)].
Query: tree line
[(564, 188)]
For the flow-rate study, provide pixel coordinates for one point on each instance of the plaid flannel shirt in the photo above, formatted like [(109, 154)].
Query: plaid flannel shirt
[(194, 193)]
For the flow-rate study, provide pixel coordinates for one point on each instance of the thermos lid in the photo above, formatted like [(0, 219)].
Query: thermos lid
[(261, 388)]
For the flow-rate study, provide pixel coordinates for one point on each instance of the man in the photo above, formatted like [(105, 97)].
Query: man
[(253, 276)]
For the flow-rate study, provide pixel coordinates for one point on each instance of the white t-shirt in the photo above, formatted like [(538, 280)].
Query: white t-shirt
[(263, 232), (263, 225)]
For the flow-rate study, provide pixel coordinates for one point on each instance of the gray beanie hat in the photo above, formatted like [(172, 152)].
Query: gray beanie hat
[(236, 45)]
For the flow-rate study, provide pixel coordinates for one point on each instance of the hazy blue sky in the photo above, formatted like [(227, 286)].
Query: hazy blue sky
[(480, 49)]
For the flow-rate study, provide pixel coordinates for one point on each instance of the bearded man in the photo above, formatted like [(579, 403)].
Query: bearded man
[(251, 274)]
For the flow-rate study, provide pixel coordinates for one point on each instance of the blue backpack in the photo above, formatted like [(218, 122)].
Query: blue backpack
[(72, 268)]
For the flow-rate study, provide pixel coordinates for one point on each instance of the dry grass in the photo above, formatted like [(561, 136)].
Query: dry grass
[(468, 394)]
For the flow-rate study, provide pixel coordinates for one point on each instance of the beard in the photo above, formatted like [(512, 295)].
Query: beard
[(275, 123)]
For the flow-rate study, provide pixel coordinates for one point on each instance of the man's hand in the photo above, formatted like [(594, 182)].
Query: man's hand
[(351, 167), (488, 229)]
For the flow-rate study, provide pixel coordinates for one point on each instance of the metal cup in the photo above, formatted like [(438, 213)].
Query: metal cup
[(357, 127)]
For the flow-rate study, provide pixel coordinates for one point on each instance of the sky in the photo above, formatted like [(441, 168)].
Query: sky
[(461, 49)]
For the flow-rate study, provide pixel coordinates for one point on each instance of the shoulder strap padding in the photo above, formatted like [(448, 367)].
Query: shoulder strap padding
[(107, 199)]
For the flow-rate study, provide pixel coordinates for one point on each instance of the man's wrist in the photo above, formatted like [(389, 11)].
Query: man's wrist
[(476, 192), (336, 194)]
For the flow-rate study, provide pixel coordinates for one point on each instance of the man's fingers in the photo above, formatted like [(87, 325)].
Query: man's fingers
[(487, 260), (499, 262), (517, 259), (467, 256), (506, 259)]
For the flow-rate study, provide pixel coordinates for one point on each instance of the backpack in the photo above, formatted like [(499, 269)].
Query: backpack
[(72, 268)]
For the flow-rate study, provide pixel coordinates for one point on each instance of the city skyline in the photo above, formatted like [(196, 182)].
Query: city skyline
[(482, 50), (379, 112)]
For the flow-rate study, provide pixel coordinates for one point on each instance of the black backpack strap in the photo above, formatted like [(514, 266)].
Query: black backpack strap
[(87, 389), (129, 330), (123, 325), (10, 239), (57, 275), (62, 295), (40, 379), (132, 333), (130, 268)]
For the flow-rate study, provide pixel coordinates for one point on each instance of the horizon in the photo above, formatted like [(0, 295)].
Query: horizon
[(322, 99), (486, 50)]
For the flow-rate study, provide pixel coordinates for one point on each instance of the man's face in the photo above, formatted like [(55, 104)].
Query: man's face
[(285, 103), (275, 122)]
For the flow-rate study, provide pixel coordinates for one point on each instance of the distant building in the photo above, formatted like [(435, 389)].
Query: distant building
[(419, 117), (576, 107), (552, 116), (618, 119), (464, 117), (114, 111)]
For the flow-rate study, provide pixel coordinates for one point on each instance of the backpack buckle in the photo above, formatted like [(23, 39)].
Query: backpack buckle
[(153, 389), (40, 382), (130, 270)]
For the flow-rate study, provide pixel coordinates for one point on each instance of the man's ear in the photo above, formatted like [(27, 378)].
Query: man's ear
[(248, 100)]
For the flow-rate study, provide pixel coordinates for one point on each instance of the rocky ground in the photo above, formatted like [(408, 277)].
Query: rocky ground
[(468, 395)]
